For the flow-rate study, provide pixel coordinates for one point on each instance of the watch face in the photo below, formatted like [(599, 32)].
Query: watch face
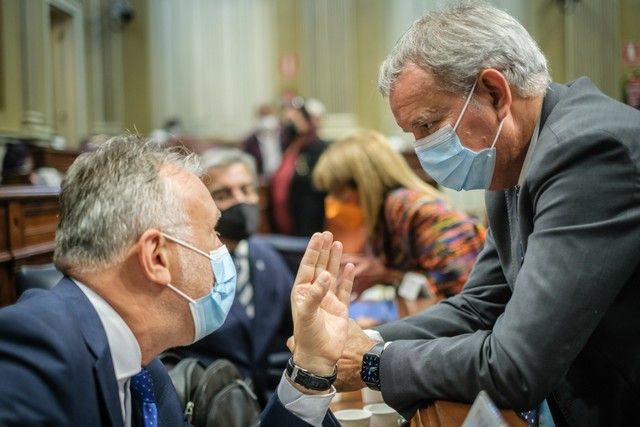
[(369, 371)]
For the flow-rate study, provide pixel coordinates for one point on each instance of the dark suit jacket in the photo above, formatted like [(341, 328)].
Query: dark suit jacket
[(249, 343), (252, 146), (552, 307), (306, 203), (56, 367)]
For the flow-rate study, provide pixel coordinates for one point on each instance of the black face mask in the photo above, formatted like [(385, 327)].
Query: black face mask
[(289, 131), (239, 221)]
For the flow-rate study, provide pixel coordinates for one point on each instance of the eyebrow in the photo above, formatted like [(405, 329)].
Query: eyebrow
[(427, 115), (231, 187)]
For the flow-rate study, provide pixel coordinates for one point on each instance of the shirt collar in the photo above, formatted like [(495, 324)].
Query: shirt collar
[(530, 150), (125, 350)]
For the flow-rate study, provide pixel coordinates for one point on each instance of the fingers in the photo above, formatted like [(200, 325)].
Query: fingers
[(334, 263), (309, 261), (316, 293), (323, 258), (343, 290), (291, 344)]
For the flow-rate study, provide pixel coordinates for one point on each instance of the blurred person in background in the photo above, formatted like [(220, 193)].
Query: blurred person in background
[(297, 206), (254, 334), (170, 132), (316, 110), (409, 226), (264, 143)]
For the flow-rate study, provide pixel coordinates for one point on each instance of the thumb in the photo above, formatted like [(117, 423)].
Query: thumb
[(318, 290), (291, 344)]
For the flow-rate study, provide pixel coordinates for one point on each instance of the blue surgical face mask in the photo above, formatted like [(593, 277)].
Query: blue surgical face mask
[(453, 165), (210, 311)]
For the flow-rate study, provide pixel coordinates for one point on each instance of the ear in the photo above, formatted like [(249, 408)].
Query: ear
[(494, 85), (154, 256)]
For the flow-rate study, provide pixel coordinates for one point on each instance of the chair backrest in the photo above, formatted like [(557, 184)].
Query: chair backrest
[(36, 276), (291, 248)]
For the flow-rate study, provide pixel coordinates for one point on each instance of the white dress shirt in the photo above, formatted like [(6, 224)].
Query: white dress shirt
[(125, 350), (127, 362)]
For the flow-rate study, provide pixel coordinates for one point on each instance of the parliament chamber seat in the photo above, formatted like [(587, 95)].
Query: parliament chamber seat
[(36, 277)]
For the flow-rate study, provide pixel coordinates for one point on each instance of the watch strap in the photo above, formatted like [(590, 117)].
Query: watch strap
[(308, 379)]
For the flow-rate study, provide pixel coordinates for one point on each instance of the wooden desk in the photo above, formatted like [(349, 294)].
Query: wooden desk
[(440, 413), (28, 221), (58, 159)]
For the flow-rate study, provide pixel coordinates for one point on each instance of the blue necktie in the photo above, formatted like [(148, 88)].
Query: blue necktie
[(530, 417), (244, 288), (142, 389)]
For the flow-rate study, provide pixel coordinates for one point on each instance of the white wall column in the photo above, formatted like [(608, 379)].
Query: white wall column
[(36, 66), (212, 63)]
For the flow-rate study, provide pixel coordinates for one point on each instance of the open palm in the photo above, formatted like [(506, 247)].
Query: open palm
[(319, 302)]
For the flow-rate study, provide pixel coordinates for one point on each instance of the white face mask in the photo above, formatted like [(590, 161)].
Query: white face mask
[(210, 311), (268, 124), (453, 165)]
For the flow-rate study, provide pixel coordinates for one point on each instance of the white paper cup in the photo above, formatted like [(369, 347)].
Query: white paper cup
[(353, 417), (371, 396), (382, 415)]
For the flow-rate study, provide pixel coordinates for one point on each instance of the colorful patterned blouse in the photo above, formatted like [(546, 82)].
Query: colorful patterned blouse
[(425, 235)]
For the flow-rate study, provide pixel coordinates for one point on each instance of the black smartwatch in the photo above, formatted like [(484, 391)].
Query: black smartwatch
[(309, 380), (370, 371)]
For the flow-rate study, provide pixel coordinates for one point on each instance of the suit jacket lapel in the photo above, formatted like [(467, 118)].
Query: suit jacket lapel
[(96, 339), (267, 311)]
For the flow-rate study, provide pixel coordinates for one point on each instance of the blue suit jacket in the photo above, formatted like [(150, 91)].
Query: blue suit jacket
[(56, 367), (248, 343)]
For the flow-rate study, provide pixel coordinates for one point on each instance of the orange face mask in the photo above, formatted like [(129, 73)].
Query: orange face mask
[(343, 214)]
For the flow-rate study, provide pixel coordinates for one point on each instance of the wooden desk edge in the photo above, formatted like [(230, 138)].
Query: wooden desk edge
[(442, 413)]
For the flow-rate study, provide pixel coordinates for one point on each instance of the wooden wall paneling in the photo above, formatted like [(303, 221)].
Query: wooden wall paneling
[(28, 222)]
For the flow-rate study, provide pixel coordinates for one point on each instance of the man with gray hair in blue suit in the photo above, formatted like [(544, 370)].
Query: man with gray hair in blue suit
[(145, 271), (550, 311)]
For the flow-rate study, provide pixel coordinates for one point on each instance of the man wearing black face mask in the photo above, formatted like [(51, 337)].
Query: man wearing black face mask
[(297, 207), (259, 322)]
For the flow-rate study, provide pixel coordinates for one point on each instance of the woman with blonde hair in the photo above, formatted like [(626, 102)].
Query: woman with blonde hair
[(409, 225)]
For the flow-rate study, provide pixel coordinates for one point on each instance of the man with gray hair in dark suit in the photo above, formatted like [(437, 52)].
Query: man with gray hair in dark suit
[(550, 311)]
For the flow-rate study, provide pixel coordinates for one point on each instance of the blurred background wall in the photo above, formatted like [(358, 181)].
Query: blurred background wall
[(73, 68)]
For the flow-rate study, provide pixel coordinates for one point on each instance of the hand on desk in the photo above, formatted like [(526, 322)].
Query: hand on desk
[(319, 303), (369, 271)]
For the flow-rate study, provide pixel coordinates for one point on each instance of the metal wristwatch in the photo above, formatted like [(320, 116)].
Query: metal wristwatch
[(309, 380), (370, 371)]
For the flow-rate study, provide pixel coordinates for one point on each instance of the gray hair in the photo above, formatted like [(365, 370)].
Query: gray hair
[(457, 43), (219, 158), (111, 196)]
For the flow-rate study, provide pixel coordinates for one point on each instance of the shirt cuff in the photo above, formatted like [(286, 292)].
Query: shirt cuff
[(374, 335), (312, 408)]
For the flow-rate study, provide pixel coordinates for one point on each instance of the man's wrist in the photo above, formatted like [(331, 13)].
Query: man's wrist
[(394, 277), (309, 380), (305, 390), (370, 369), (316, 365)]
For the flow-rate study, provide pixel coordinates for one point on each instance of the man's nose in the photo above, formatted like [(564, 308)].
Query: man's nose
[(239, 195)]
